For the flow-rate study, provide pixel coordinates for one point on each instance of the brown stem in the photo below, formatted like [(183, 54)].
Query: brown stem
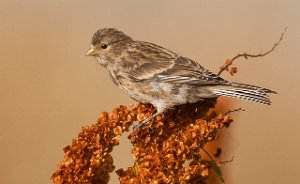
[(235, 110), (246, 56)]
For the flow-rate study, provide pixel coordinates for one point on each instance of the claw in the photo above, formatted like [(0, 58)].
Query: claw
[(136, 127)]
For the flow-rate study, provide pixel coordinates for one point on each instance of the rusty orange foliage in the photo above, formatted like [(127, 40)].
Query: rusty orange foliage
[(167, 153)]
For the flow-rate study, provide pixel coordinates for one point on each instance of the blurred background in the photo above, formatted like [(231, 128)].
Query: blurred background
[(50, 89)]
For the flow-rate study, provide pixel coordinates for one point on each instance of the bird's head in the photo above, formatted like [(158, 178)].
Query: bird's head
[(107, 43)]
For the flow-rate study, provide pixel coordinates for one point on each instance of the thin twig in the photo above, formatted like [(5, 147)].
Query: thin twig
[(227, 161), (246, 56), (235, 110)]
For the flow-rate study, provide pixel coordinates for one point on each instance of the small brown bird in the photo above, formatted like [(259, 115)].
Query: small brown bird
[(149, 73)]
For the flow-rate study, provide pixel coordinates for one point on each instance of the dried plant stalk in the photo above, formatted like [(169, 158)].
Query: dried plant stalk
[(229, 62), (160, 154)]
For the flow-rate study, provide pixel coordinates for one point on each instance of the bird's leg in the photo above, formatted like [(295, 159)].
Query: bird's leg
[(146, 120)]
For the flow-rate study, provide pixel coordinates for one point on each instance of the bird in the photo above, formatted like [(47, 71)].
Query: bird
[(150, 73)]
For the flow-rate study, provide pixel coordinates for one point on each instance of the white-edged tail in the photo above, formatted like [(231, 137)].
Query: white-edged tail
[(245, 92)]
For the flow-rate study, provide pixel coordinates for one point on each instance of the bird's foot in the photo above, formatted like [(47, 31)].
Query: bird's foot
[(142, 125)]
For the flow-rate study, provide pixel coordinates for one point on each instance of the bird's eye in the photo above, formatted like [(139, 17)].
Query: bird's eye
[(104, 46)]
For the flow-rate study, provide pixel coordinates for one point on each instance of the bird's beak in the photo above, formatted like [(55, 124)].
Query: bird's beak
[(91, 52)]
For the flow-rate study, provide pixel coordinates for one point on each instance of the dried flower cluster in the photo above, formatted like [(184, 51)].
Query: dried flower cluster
[(168, 152)]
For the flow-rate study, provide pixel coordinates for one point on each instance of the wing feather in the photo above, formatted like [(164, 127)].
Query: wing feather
[(143, 60), (188, 71), (147, 61)]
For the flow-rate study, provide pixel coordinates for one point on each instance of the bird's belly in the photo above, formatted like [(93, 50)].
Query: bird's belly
[(141, 91), (165, 94)]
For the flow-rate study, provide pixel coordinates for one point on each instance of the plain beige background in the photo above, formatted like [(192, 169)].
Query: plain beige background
[(49, 88)]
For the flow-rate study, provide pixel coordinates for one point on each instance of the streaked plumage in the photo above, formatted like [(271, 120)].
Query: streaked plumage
[(152, 74)]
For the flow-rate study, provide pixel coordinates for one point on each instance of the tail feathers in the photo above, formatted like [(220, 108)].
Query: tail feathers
[(245, 92), (248, 86)]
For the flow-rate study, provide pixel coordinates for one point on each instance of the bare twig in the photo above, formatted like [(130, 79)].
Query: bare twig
[(235, 110), (246, 56), (227, 161)]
